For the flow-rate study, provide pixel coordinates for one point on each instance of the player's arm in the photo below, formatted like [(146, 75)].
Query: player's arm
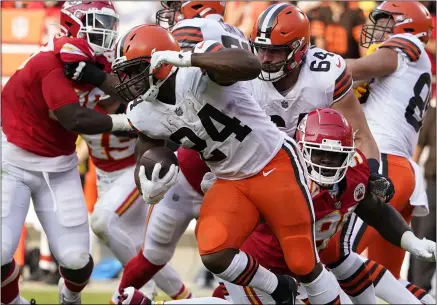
[(63, 103), (350, 107), (346, 102), (228, 65), (383, 217), (382, 62), (385, 60), (392, 227)]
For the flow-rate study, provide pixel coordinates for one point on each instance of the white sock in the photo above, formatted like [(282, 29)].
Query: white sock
[(244, 270), (323, 290), (354, 278), (418, 292)]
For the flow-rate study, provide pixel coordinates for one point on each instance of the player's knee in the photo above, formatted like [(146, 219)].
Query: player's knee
[(220, 261), (300, 254), (8, 250), (99, 221), (73, 258), (78, 275)]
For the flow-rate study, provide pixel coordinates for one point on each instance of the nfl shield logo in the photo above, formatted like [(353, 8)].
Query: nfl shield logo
[(284, 104), (179, 111), (337, 205)]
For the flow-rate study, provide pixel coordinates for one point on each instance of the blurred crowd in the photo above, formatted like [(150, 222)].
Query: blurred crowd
[(336, 27)]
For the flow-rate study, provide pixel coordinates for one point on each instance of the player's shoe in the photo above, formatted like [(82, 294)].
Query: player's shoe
[(130, 295), (63, 299), (289, 290)]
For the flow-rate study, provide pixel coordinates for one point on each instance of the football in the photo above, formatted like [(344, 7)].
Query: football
[(159, 154)]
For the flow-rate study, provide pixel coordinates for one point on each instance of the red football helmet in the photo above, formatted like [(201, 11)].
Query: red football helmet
[(175, 11), (133, 52), (326, 140), (400, 17), (281, 27), (95, 21)]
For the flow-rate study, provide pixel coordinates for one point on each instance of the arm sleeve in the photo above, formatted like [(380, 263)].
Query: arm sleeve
[(383, 217), (58, 90)]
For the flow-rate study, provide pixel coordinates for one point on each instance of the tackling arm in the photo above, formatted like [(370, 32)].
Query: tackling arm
[(383, 217), (228, 65), (392, 227)]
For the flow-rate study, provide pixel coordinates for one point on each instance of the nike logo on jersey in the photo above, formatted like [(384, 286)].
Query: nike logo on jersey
[(339, 63), (265, 174)]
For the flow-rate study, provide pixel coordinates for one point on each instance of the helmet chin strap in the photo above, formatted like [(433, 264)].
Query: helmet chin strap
[(152, 94)]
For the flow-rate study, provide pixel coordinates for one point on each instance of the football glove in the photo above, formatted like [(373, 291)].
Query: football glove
[(423, 249), (153, 190), (177, 59), (361, 90), (381, 186), (207, 181), (85, 72)]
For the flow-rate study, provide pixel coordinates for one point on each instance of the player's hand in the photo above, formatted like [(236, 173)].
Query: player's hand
[(153, 190), (381, 186), (85, 72), (361, 90), (208, 180), (423, 249), (177, 59)]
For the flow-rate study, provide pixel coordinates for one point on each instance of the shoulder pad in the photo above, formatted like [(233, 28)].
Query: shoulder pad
[(407, 44), (188, 32)]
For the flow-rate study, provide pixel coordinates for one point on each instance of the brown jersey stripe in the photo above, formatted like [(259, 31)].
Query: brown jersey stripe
[(214, 47), (187, 29), (335, 301), (343, 86), (409, 48)]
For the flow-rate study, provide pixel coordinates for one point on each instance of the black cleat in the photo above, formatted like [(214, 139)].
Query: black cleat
[(286, 291)]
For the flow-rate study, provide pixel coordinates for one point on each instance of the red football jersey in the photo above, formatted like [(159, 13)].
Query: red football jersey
[(110, 152), (38, 88), (331, 208), (192, 167)]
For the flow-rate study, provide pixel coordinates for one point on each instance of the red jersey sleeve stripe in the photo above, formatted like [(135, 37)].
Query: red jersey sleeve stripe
[(409, 48)]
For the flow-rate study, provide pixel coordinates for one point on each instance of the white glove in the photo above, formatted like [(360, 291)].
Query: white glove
[(78, 72), (207, 181), (423, 249), (153, 190), (177, 59)]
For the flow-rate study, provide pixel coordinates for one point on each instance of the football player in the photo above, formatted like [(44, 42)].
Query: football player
[(399, 78), (42, 112), (297, 79), (338, 176), (183, 94), (197, 21), (120, 213)]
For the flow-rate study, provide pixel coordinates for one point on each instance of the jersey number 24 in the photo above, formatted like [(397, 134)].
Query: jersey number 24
[(207, 114)]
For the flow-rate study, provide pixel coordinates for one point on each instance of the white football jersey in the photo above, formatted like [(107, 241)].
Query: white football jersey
[(189, 32), (323, 80), (223, 123), (397, 103)]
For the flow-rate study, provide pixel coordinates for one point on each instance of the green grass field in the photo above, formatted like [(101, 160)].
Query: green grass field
[(51, 297)]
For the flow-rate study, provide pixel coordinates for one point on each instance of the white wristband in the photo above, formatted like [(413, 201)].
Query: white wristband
[(120, 122), (408, 239)]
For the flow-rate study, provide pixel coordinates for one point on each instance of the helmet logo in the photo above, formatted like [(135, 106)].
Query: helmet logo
[(359, 192)]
